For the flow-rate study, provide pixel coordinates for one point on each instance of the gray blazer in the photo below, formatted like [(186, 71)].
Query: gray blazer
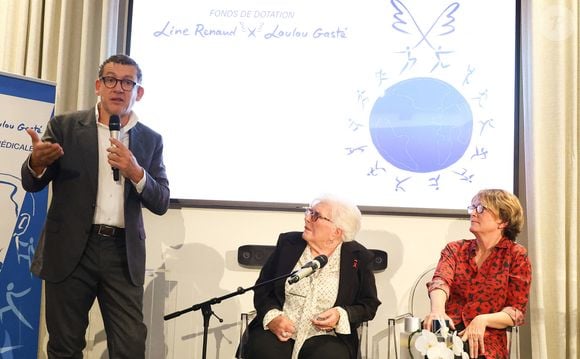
[(74, 191)]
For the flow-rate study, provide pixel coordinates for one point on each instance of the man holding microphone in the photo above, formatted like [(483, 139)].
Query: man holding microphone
[(93, 242)]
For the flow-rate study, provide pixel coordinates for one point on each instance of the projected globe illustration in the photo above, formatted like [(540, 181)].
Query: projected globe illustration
[(421, 125)]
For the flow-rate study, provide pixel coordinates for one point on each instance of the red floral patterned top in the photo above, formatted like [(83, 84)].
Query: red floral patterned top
[(502, 283)]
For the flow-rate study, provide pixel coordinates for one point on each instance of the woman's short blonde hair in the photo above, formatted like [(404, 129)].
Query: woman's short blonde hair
[(505, 206)]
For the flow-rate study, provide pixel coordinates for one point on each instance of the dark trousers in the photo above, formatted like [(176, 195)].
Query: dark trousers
[(262, 344), (102, 274)]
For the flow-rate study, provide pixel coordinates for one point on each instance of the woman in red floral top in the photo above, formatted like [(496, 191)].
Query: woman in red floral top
[(482, 285)]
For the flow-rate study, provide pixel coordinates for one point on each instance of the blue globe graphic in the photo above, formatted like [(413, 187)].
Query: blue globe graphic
[(421, 125)]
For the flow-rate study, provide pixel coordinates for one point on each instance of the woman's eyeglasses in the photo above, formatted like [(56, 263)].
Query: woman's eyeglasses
[(479, 209), (126, 84), (315, 215)]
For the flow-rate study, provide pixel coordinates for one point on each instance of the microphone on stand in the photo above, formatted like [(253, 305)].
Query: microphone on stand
[(309, 268), (114, 128)]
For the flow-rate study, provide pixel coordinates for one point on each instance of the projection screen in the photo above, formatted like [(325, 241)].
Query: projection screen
[(401, 106)]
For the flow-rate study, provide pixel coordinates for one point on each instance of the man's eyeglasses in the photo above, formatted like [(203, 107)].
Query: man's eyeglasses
[(126, 84), (315, 215), (479, 209)]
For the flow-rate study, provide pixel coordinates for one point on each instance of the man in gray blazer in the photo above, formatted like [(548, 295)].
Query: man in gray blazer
[(93, 242)]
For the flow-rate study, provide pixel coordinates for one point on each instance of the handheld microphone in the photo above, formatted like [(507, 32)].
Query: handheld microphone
[(114, 128), (309, 268)]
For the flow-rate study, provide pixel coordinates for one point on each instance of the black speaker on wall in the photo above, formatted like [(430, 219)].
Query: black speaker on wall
[(380, 261), (255, 256), (252, 255)]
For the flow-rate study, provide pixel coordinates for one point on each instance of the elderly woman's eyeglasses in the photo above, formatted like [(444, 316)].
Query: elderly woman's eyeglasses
[(126, 84), (479, 209), (315, 215)]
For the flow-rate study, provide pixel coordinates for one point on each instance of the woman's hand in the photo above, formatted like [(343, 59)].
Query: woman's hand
[(433, 316), (438, 297), (474, 334), (282, 327), (326, 320)]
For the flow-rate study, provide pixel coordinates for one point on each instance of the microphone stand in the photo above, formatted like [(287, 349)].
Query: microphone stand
[(207, 312)]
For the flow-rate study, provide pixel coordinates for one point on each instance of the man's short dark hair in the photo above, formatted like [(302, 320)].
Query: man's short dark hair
[(123, 60)]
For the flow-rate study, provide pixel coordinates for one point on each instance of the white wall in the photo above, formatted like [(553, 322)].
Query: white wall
[(192, 257)]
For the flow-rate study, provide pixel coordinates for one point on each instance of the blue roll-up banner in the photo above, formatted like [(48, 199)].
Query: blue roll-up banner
[(24, 103)]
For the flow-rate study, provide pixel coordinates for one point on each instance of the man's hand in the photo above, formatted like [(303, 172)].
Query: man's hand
[(43, 153), (122, 158)]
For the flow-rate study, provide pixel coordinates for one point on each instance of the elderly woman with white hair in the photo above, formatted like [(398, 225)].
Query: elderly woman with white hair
[(316, 317)]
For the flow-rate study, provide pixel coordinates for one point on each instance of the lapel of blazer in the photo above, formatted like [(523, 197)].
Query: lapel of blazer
[(292, 253), (136, 148), (86, 138), (292, 249), (348, 272)]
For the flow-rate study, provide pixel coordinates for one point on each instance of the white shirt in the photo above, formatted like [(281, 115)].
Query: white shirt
[(311, 296), (110, 194)]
